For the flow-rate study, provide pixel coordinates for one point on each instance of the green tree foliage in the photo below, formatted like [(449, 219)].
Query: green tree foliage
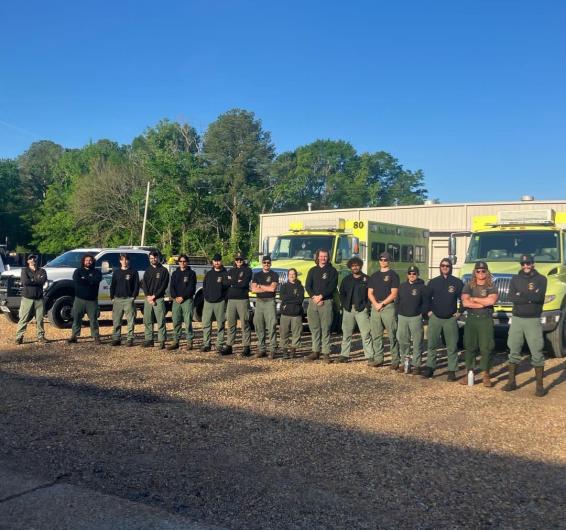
[(238, 153), (12, 226)]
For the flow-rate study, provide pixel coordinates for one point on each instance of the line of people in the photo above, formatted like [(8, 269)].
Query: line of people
[(376, 304)]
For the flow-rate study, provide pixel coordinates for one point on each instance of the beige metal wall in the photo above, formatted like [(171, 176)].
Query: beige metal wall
[(440, 219)]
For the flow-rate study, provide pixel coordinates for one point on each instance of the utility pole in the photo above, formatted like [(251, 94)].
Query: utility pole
[(145, 215)]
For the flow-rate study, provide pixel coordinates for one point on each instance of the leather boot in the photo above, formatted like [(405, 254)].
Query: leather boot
[(539, 374), (511, 384), (313, 356), (291, 353), (486, 379)]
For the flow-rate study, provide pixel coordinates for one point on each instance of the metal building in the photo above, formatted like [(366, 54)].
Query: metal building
[(441, 220)]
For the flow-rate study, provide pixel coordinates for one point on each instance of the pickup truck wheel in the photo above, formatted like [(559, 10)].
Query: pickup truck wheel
[(556, 340), (60, 314), (12, 317)]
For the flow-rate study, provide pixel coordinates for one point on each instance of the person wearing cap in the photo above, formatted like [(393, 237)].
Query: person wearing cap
[(321, 283), (292, 295), (182, 289), (32, 304), (443, 293), (411, 305), (264, 285), (214, 286), (527, 291), (383, 287), (124, 288), (355, 302), (87, 279), (154, 284), (479, 296), (238, 306)]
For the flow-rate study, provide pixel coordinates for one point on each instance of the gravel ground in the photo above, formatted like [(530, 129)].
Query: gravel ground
[(284, 444)]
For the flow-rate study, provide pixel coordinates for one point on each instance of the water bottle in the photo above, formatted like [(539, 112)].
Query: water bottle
[(470, 378), (407, 364)]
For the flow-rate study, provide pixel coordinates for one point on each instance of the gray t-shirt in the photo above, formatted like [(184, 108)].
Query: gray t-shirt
[(479, 291)]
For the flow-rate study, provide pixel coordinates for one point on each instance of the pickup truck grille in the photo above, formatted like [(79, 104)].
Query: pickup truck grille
[(502, 282), (10, 286)]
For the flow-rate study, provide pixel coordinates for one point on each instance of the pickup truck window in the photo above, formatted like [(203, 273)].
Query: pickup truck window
[(68, 259)]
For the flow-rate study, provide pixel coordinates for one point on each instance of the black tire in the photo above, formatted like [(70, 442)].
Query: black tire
[(12, 317), (555, 341), (198, 306), (60, 314)]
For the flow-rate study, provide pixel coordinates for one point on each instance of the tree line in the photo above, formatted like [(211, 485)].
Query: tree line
[(207, 191)]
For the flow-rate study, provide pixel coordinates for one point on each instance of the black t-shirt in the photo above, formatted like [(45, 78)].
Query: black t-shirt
[(265, 278), (479, 291), (382, 283)]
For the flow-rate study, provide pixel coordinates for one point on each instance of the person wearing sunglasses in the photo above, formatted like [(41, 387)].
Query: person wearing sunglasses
[(238, 306), (526, 291), (264, 285), (383, 286), (412, 304), (214, 288), (182, 289), (444, 293), (479, 296), (32, 280)]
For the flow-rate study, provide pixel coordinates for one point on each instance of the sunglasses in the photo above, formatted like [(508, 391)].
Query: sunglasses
[(412, 273), (383, 259), (526, 263), (481, 270), (238, 259), (445, 266)]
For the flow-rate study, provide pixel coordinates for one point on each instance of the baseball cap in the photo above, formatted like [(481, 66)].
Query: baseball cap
[(526, 258), (217, 257), (481, 265), (31, 256), (413, 268), (385, 255), (266, 259)]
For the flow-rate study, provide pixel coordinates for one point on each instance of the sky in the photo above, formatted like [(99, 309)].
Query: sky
[(471, 92)]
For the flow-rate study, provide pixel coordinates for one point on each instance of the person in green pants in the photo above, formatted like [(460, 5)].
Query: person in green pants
[(124, 288), (264, 285), (238, 306), (86, 280), (32, 280), (527, 291), (383, 287), (321, 282), (411, 305), (214, 289), (182, 290), (292, 295), (154, 284), (443, 293), (355, 302), (479, 296)]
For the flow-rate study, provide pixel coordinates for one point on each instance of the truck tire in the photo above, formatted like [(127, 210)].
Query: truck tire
[(12, 317), (60, 314), (556, 340), (198, 306)]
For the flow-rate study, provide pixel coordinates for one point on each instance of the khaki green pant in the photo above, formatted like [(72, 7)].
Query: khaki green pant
[(238, 310), (28, 309), (292, 325), (182, 313), (410, 329), (349, 321), (450, 328), (211, 311), (529, 329), (80, 307), (265, 323), (478, 338), (121, 307), (320, 322), (154, 313), (386, 319)]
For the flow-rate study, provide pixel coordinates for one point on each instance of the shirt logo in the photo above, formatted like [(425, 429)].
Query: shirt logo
[(241, 275), (451, 289), (324, 275), (219, 280), (295, 292), (185, 279), (268, 279), (158, 275), (386, 278), (483, 292), (531, 286), (127, 276), (414, 292)]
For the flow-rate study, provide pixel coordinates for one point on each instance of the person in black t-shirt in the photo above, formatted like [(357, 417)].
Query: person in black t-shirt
[(264, 285)]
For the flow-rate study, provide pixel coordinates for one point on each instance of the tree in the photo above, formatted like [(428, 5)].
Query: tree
[(238, 153), (12, 227)]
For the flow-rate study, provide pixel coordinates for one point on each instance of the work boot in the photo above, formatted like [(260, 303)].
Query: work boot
[(427, 372), (19, 340), (72, 339), (511, 383), (258, 355), (97, 340), (394, 367), (205, 348), (313, 356), (326, 358), (271, 355), (342, 359), (401, 368), (451, 377), (486, 379), (539, 374), (130, 343), (116, 342), (161, 345), (189, 345), (226, 350), (147, 344), (246, 352), (291, 352), (416, 370), (464, 380), (173, 346), (375, 363)]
